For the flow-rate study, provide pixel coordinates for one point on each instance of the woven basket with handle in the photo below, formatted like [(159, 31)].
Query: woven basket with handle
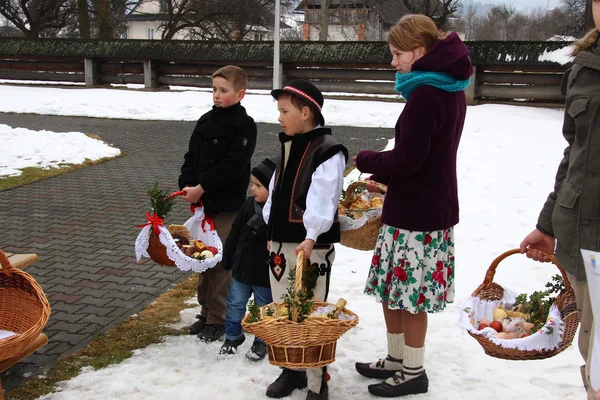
[(307, 344), (24, 309), (365, 237), (565, 301)]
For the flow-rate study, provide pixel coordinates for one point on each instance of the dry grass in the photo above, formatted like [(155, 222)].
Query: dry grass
[(116, 344)]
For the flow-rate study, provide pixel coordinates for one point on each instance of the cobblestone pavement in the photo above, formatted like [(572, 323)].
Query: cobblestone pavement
[(82, 224)]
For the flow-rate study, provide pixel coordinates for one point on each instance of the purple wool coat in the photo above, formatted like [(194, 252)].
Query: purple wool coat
[(421, 169)]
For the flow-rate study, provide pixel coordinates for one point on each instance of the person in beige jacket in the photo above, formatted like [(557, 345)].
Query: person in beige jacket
[(570, 218)]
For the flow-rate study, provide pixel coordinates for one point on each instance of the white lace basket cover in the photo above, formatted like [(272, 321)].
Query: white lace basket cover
[(200, 227), (350, 224), (475, 309)]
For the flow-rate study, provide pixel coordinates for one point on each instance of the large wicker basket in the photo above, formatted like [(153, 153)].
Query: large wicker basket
[(307, 344), (365, 237), (24, 309), (565, 301)]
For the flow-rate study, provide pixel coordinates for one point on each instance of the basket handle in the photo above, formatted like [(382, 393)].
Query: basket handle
[(489, 276), (179, 193), (298, 281), (6, 267)]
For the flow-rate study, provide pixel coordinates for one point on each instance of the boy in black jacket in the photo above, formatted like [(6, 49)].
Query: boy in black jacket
[(246, 255), (216, 170)]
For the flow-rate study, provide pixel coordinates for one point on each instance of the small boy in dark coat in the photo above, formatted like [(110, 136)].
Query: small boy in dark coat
[(216, 171), (246, 255)]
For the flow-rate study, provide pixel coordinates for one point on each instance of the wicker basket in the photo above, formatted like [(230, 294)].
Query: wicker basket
[(365, 237), (24, 309), (158, 252), (307, 344), (565, 301)]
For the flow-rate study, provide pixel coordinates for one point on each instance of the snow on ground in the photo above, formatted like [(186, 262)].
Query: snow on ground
[(507, 161), (22, 148)]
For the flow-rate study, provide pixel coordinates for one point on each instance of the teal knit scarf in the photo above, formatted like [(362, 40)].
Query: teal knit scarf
[(407, 83)]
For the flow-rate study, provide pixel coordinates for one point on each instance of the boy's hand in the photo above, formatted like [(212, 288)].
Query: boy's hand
[(193, 193), (536, 244), (307, 246)]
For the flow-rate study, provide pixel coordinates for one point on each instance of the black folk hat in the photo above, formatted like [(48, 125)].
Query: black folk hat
[(305, 91)]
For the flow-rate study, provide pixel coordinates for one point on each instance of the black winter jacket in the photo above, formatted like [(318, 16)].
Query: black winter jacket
[(245, 252), (218, 157)]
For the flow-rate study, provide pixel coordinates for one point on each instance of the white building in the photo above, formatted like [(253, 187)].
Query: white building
[(145, 20)]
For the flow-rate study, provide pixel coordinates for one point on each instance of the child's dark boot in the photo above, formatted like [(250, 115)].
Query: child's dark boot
[(288, 381), (211, 332), (230, 346), (258, 351), (323, 393), (197, 326)]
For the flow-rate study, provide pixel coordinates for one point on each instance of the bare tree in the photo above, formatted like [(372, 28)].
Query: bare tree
[(84, 19), (438, 10), (324, 20), (37, 18), (217, 19), (588, 16), (575, 17)]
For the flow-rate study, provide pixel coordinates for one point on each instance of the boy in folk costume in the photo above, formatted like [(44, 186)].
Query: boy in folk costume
[(301, 211)]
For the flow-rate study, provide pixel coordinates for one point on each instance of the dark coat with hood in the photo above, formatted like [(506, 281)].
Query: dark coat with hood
[(218, 157), (245, 252), (421, 169), (571, 213)]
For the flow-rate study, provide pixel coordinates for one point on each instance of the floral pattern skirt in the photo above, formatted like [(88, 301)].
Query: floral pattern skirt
[(413, 271)]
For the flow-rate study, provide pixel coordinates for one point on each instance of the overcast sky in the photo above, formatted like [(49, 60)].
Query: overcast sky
[(526, 4)]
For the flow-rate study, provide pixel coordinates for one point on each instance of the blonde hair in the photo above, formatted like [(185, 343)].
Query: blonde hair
[(587, 42), (234, 75), (413, 31)]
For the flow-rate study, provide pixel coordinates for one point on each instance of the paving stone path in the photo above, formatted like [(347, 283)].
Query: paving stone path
[(82, 225)]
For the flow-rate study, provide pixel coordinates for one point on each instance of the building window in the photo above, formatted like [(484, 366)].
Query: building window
[(258, 36), (150, 33)]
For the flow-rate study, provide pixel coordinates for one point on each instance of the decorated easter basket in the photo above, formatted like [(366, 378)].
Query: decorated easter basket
[(363, 237), (554, 337), (156, 242), (24, 309), (307, 344)]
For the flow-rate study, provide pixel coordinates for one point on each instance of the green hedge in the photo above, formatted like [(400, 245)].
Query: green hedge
[(526, 53)]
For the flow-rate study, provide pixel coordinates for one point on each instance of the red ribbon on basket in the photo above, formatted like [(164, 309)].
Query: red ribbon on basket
[(207, 218), (154, 220)]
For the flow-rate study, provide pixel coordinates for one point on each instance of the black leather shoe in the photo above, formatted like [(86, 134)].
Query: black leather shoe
[(379, 372), (286, 383), (211, 332), (419, 384), (197, 326)]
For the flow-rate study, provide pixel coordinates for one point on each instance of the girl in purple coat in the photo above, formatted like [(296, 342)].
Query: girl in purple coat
[(412, 271)]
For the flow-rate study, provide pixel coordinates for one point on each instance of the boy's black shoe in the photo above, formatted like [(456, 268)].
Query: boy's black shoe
[(322, 395), (286, 383), (419, 384), (379, 372), (211, 332), (197, 326), (230, 346), (258, 351)]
